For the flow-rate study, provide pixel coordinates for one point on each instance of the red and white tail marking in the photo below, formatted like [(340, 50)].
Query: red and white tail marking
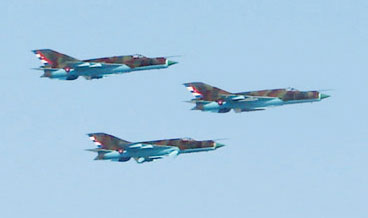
[(194, 91), (43, 59), (93, 138)]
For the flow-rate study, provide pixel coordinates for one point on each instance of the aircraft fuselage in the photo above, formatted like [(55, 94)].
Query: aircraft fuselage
[(98, 72), (259, 104)]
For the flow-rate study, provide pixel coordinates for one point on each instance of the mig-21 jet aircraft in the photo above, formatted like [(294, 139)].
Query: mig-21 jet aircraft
[(64, 67), (112, 148), (209, 98)]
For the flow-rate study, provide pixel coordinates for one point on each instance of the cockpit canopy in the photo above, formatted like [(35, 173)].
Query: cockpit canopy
[(187, 139), (291, 89), (138, 56)]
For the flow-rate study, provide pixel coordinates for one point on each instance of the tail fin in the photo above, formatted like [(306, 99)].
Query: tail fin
[(204, 91), (53, 59), (107, 142)]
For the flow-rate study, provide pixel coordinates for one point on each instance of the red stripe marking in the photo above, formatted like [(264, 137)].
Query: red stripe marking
[(196, 90), (42, 57)]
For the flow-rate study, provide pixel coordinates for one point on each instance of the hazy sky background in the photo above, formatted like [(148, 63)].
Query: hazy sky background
[(307, 160)]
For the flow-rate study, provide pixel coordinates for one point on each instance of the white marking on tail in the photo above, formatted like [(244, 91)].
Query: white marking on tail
[(43, 59), (194, 91), (190, 88)]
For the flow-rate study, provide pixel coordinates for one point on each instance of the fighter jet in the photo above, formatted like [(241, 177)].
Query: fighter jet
[(64, 67), (209, 98), (112, 148)]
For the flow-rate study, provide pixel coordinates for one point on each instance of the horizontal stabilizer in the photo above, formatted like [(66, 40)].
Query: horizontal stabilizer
[(194, 101), (44, 68), (100, 153), (98, 150)]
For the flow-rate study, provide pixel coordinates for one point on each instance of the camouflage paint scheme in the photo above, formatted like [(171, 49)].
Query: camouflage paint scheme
[(213, 99), (112, 148), (64, 67)]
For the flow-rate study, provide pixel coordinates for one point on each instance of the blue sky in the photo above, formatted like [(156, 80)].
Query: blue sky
[(303, 161)]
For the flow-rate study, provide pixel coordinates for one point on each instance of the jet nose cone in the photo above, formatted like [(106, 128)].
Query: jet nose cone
[(323, 96), (219, 145), (169, 63)]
